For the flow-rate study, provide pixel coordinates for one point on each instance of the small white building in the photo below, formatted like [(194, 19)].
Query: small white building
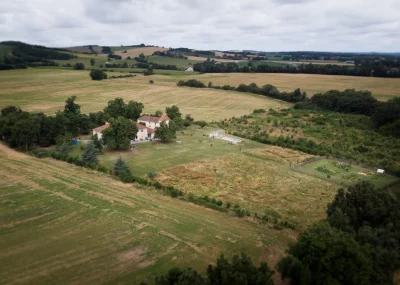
[(380, 171), (189, 69), (98, 131)]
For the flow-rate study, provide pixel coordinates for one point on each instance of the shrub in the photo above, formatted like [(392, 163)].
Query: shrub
[(98, 74), (151, 82)]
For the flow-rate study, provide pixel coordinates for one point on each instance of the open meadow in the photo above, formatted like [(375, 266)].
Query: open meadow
[(45, 90), (65, 224)]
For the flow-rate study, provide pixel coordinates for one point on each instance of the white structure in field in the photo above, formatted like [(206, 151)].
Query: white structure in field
[(220, 134), (380, 171), (217, 134)]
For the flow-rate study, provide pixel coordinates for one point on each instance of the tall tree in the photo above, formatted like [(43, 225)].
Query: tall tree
[(173, 112), (133, 110), (92, 61), (115, 108), (70, 106), (165, 132), (120, 133), (89, 154), (325, 255)]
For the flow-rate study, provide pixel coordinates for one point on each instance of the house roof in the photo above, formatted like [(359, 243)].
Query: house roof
[(102, 128), (152, 119), (140, 126), (150, 131)]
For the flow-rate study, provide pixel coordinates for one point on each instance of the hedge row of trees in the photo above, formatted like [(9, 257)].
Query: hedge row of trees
[(377, 69), (266, 90)]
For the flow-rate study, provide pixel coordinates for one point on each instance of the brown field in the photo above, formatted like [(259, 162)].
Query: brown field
[(137, 51), (381, 88), (62, 224), (259, 180)]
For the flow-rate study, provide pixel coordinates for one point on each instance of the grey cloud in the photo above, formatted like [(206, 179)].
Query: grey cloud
[(341, 25)]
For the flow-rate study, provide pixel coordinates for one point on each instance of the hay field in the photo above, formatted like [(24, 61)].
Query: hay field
[(62, 224), (46, 90), (259, 180), (381, 88), (136, 51)]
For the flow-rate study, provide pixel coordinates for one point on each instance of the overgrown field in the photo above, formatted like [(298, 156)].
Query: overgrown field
[(381, 88), (259, 180), (45, 90), (62, 224), (345, 136)]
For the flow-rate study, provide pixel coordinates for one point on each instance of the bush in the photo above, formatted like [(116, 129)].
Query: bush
[(79, 66), (97, 74), (151, 82)]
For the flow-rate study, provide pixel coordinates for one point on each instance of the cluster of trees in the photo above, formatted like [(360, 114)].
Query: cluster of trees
[(79, 66), (372, 69), (384, 115), (98, 74), (359, 243), (24, 55), (266, 90), (170, 54), (240, 270)]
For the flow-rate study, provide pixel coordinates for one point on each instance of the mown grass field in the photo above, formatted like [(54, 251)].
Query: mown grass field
[(381, 88), (46, 90), (258, 179), (62, 224), (346, 177), (190, 145)]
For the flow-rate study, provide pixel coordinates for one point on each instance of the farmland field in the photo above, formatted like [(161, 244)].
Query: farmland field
[(45, 90), (63, 224), (381, 88), (134, 52), (258, 179), (179, 62)]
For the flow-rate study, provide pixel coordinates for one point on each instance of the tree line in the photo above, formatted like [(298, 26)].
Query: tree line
[(380, 68), (265, 90)]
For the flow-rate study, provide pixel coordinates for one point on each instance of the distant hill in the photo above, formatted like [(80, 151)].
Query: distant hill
[(21, 55)]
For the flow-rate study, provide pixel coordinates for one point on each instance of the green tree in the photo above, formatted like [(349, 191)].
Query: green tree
[(9, 109), (120, 133), (133, 110), (92, 61), (79, 66), (165, 133), (202, 124), (122, 170), (158, 113), (373, 217), (325, 255), (70, 106), (240, 271), (65, 148), (97, 143), (98, 74), (177, 276), (173, 112), (89, 154), (115, 108)]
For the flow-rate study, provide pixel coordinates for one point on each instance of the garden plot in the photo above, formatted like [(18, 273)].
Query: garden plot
[(345, 173)]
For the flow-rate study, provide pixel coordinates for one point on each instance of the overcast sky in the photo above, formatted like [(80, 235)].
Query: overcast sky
[(268, 25)]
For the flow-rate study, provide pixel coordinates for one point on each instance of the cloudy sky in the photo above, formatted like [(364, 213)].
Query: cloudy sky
[(269, 25)]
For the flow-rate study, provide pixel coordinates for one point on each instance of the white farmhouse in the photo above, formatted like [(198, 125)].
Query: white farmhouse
[(153, 122)]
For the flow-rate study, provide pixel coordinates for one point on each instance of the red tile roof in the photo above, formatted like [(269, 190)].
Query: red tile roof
[(150, 131), (164, 117), (102, 128)]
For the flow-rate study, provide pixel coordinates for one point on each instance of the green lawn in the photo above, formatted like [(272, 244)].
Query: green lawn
[(190, 146), (324, 168)]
